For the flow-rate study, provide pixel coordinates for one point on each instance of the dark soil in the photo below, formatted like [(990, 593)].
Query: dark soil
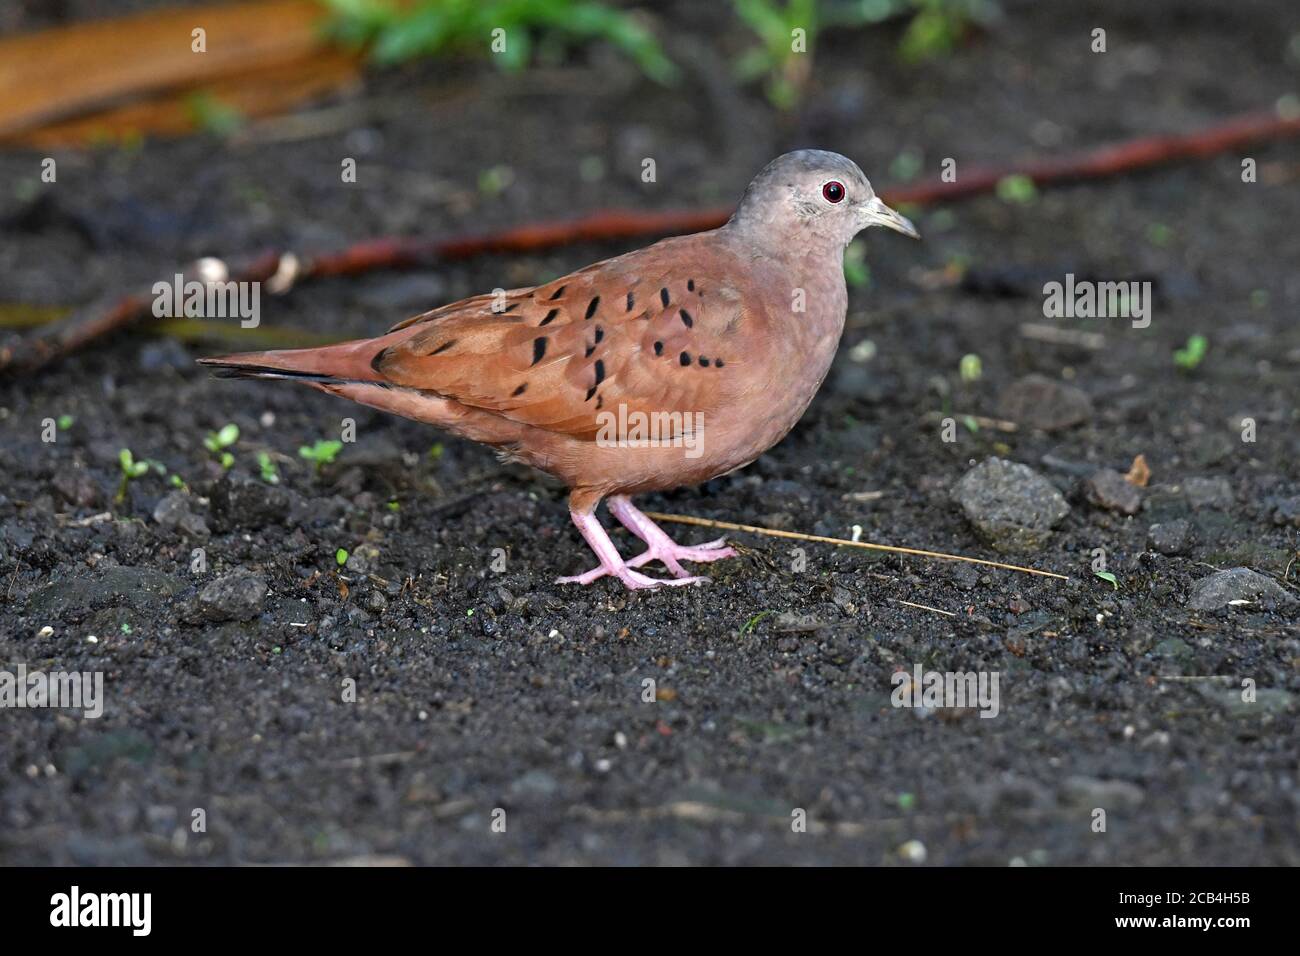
[(478, 690)]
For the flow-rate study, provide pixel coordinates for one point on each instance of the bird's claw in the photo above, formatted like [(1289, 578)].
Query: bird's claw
[(670, 553), (632, 580)]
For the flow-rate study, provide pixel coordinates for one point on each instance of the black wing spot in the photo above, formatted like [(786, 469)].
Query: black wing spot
[(690, 285), (659, 348), (663, 297), (600, 400), (704, 363), (539, 348), (600, 371), (590, 392), (591, 307), (684, 358), (719, 363), (557, 293), (590, 349), (519, 391), (686, 318), (630, 301), (510, 308), (443, 347), (550, 317), (600, 334), (379, 358)]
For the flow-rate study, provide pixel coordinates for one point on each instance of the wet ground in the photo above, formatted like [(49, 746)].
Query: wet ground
[(482, 687)]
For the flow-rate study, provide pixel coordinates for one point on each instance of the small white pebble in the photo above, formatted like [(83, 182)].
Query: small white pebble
[(46, 631), (423, 715), (92, 639), (1129, 731), (267, 419), (913, 851), (620, 740), (603, 765)]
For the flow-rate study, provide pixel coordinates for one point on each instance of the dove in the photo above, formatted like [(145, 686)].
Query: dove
[(660, 368)]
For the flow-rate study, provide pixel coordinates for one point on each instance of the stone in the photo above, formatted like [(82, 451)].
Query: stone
[(1236, 584), (1010, 505)]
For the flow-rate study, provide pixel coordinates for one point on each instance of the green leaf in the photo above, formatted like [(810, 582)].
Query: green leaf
[(341, 557), (970, 368), (267, 467), (1108, 576), (322, 453), (1017, 188), (1190, 356), (749, 625)]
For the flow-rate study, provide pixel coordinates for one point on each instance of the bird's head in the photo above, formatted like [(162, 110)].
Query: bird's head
[(816, 194)]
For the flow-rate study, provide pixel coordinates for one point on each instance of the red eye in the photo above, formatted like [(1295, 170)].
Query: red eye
[(833, 191)]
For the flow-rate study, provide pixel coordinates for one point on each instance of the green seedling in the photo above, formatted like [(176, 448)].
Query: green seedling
[(1017, 188), (322, 453), (970, 368), (65, 422), (341, 557), (267, 467), (1108, 576), (1158, 234), (495, 180), (132, 469), (749, 625), (217, 442), (1190, 355)]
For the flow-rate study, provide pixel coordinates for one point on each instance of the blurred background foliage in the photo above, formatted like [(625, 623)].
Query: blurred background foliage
[(129, 78), (784, 32)]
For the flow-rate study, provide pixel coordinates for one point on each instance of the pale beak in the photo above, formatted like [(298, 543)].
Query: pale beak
[(878, 214)]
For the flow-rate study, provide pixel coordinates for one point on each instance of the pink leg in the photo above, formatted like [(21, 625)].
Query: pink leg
[(660, 547), (611, 562)]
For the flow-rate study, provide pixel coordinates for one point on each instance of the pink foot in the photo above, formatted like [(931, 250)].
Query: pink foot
[(612, 563), (660, 547)]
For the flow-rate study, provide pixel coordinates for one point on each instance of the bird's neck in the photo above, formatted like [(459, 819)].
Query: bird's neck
[(806, 271)]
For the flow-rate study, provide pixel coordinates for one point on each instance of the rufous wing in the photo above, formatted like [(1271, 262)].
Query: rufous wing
[(635, 332)]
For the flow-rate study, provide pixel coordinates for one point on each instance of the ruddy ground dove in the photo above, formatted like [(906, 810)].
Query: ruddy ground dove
[(667, 366)]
